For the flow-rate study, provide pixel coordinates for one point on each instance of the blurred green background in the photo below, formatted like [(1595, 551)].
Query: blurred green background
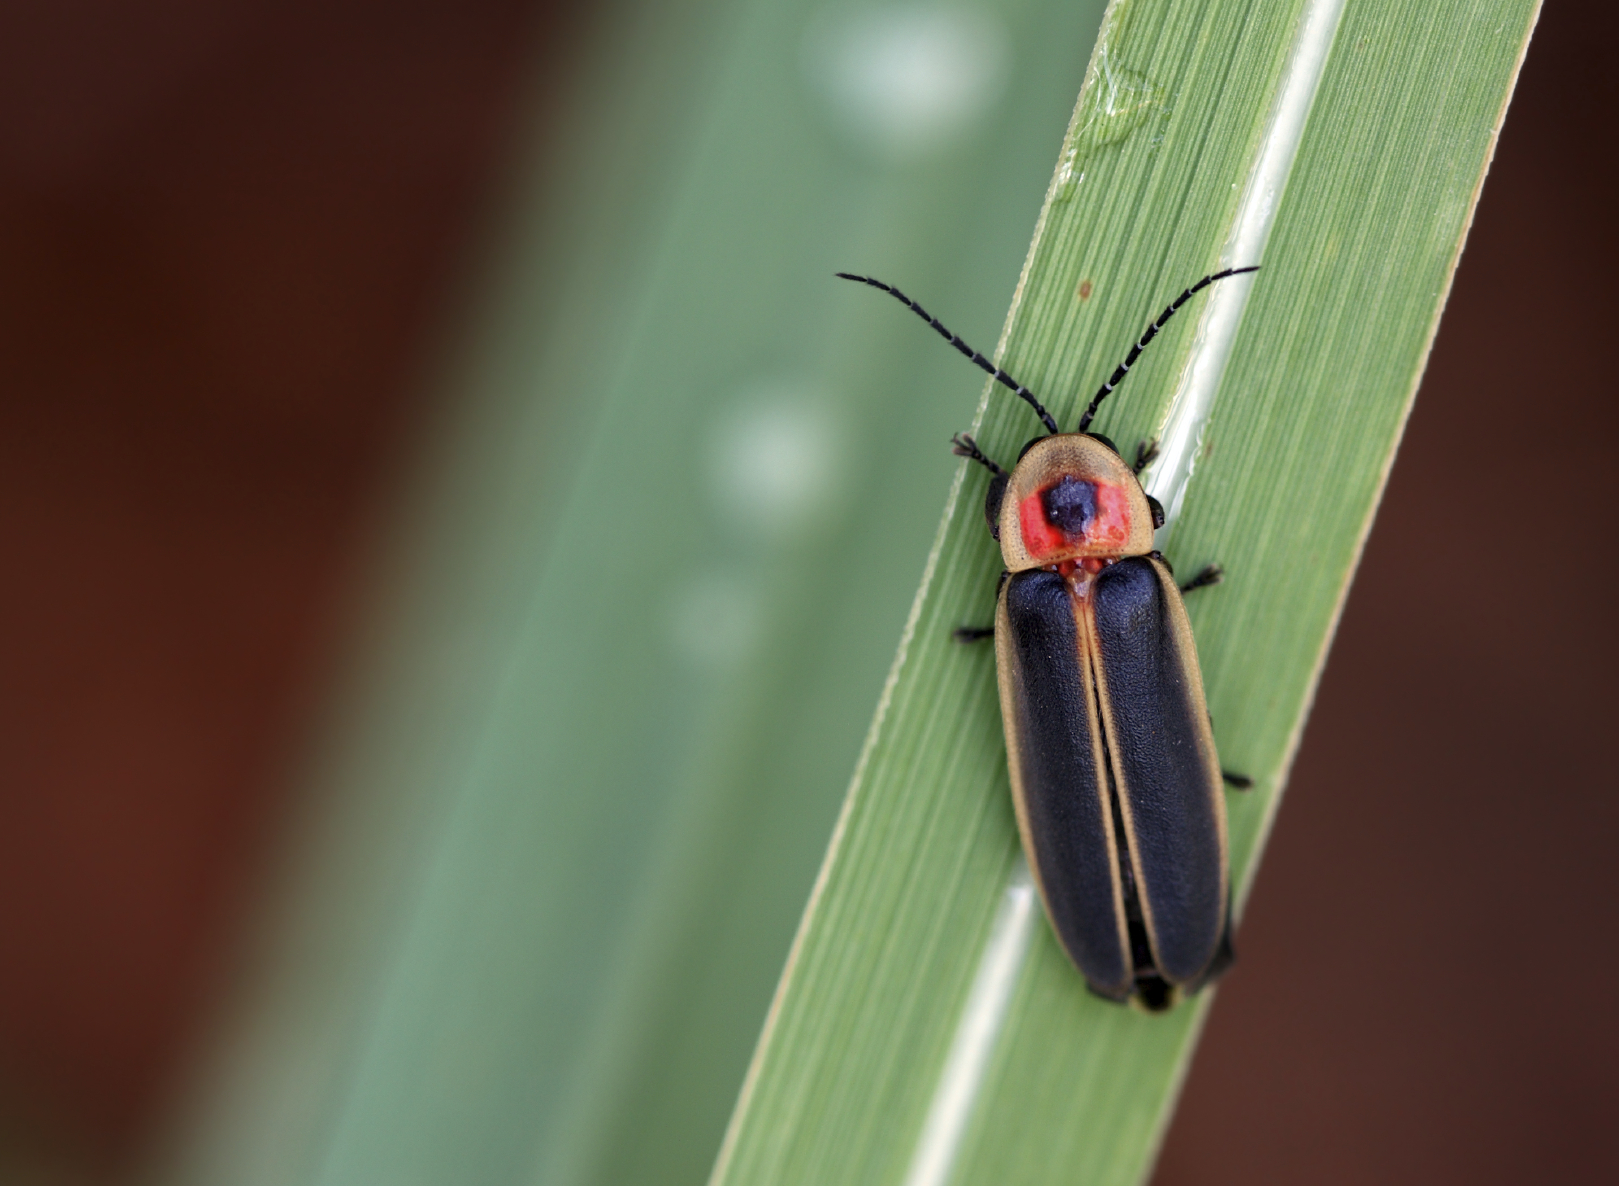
[(682, 483)]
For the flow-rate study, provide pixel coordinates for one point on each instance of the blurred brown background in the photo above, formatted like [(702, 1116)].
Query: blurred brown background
[(227, 228), (229, 232)]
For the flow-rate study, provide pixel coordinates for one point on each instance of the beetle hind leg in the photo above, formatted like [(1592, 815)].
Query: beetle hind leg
[(972, 633), (1239, 782)]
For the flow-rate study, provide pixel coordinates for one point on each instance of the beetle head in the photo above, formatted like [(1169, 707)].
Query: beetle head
[(1071, 496)]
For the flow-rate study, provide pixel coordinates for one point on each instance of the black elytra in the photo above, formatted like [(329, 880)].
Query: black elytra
[(1115, 779)]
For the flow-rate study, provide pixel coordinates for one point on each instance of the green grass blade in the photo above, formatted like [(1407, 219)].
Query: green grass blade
[(1320, 378)]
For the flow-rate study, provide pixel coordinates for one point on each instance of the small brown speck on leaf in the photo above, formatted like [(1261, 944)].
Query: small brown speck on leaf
[(1084, 290)]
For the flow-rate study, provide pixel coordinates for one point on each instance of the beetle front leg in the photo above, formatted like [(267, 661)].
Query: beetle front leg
[(1240, 782), (1146, 454), (963, 445)]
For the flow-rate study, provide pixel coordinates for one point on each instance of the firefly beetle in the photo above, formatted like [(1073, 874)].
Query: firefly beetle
[(1115, 780)]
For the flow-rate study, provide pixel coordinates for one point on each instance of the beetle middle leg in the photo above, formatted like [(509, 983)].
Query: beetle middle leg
[(1212, 574), (979, 633)]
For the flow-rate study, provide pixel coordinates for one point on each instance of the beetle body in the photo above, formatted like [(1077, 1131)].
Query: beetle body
[(1115, 780)]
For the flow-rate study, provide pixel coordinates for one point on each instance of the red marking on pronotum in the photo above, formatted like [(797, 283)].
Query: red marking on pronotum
[(1109, 528), (1112, 523), (1039, 536)]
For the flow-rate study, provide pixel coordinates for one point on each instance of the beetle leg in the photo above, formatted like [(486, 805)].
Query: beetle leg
[(1240, 781), (1146, 454), (979, 633), (1212, 574), (962, 445)]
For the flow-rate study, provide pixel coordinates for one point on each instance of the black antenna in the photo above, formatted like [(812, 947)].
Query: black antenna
[(979, 359), (1152, 331)]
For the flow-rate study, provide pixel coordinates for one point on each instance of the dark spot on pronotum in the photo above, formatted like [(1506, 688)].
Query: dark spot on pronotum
[(1070, 505)]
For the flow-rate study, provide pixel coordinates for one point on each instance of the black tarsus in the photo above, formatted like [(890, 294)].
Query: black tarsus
[(963, 445), (1241, 781), (977, 358), (1152, 331), (1212, 574), (1146, 454)]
